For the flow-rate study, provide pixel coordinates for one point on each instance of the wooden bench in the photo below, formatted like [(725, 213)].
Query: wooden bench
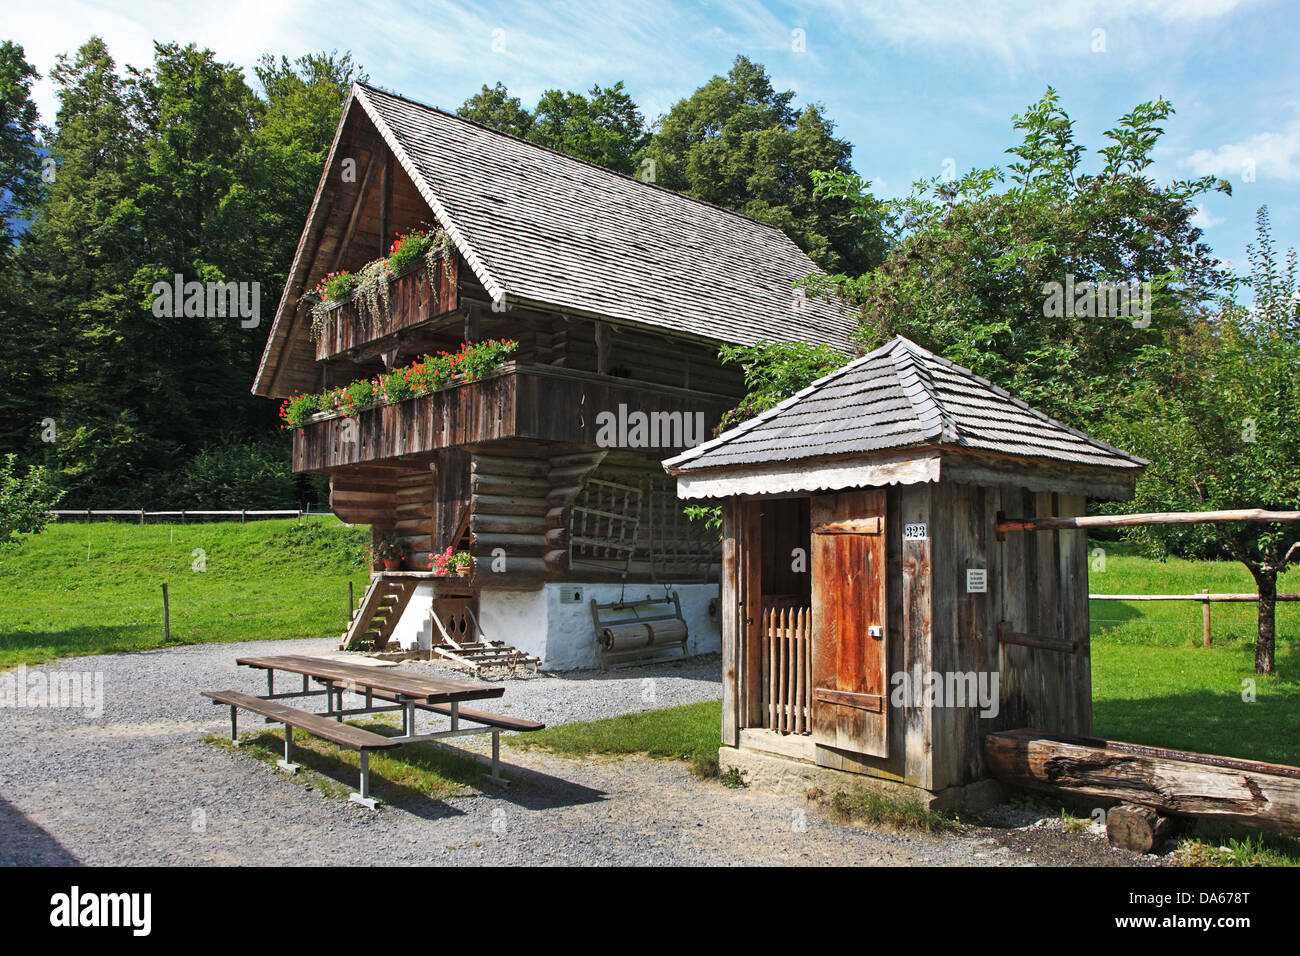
[(345, 735), (499, 722)]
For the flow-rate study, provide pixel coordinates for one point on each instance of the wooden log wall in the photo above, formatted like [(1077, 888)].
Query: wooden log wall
[(400, 500), (518, 519), (413, 514)]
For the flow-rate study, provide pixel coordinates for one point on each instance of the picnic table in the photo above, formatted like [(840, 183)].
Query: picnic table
[(383, 689)]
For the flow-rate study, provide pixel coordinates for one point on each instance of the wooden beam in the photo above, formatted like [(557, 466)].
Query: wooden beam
[(602, 333), (1136, 520), (386, 202), (850, 526), (357, 206), (1181, 783), (1006, 636)]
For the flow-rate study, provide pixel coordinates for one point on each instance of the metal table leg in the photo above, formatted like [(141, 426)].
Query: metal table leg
[(287, 763), (363, 796)]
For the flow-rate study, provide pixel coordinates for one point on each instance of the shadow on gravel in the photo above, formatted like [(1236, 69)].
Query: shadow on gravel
[(23, 843), (418, 779)]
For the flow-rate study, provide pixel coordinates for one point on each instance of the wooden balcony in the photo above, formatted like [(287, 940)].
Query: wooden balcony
[(533, 402), (412, 300)]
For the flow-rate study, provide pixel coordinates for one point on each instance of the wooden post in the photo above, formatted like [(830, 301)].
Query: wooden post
[(167, 617), (1205, 616), (352, 607)]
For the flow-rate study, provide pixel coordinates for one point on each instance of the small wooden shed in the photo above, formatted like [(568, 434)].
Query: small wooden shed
[(872, 621)]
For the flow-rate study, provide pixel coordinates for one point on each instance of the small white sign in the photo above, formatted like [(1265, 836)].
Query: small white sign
[(977, 580), (915, 532)]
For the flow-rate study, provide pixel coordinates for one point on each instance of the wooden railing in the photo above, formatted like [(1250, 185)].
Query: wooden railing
[(414, 297), (786, 634)]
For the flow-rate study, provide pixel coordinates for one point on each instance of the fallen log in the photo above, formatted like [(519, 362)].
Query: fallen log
[(1175, 782)]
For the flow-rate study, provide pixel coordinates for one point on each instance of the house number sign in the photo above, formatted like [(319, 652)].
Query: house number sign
[(915, 532)]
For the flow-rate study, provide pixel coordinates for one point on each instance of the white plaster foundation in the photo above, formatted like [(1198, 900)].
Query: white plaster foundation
[(551, 624)]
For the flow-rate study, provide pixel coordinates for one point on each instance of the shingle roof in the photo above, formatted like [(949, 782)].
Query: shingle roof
[(545, 228), (896, 397)]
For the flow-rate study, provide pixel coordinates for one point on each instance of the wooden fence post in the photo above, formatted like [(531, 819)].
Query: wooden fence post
[(352, 607), (167, 617), (1205, 617)]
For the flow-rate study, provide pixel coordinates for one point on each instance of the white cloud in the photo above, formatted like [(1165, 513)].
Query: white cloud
[(1268, 155), (239, 31), (1020, 33), (1204, 219)]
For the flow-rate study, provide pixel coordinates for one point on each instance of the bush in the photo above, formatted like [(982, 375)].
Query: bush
[(326, 544), (25, 502), (228, 477)]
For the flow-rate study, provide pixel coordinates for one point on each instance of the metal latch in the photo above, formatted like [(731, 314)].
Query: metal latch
[(875, 630)]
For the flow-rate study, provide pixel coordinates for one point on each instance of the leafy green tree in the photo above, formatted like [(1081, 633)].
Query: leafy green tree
[(603, 127), (774, 371), (20, 191), (974, 267), (1220, 421), (20, 160), (739, 143), (177, 169), (606, 129), (80, 257), (494, 106), (26, 501)]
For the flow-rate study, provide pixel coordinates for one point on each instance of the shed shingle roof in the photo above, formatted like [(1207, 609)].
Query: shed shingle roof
[(896, 397), (546, 228)]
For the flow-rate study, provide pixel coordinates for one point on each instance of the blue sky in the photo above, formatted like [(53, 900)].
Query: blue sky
[(911, 83)]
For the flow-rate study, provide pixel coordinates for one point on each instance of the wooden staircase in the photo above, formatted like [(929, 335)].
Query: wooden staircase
[(381, 608)]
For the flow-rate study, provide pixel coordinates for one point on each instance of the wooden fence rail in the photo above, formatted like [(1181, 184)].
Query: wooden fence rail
[(787, 666), (140, 515), (1205, 598)]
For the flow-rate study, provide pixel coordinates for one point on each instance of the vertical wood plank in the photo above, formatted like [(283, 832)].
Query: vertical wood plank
[(731, 543)]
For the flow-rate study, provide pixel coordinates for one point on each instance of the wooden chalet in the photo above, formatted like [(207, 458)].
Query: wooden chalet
[(619, 294), (873, 620)]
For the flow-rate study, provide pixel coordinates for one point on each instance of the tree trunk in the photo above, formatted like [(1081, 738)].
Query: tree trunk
[(1266, 579)]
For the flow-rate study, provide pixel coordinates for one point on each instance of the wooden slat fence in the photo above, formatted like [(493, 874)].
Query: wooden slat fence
[(787, 668)]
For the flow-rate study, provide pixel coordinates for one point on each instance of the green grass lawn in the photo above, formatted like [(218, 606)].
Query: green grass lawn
[(690, 732), (96, 588), (1153, 682)]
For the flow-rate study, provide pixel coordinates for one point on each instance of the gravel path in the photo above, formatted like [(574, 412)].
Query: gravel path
[(138, 785)]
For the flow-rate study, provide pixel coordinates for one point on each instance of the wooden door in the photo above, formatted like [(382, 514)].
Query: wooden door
[(850, 645)]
